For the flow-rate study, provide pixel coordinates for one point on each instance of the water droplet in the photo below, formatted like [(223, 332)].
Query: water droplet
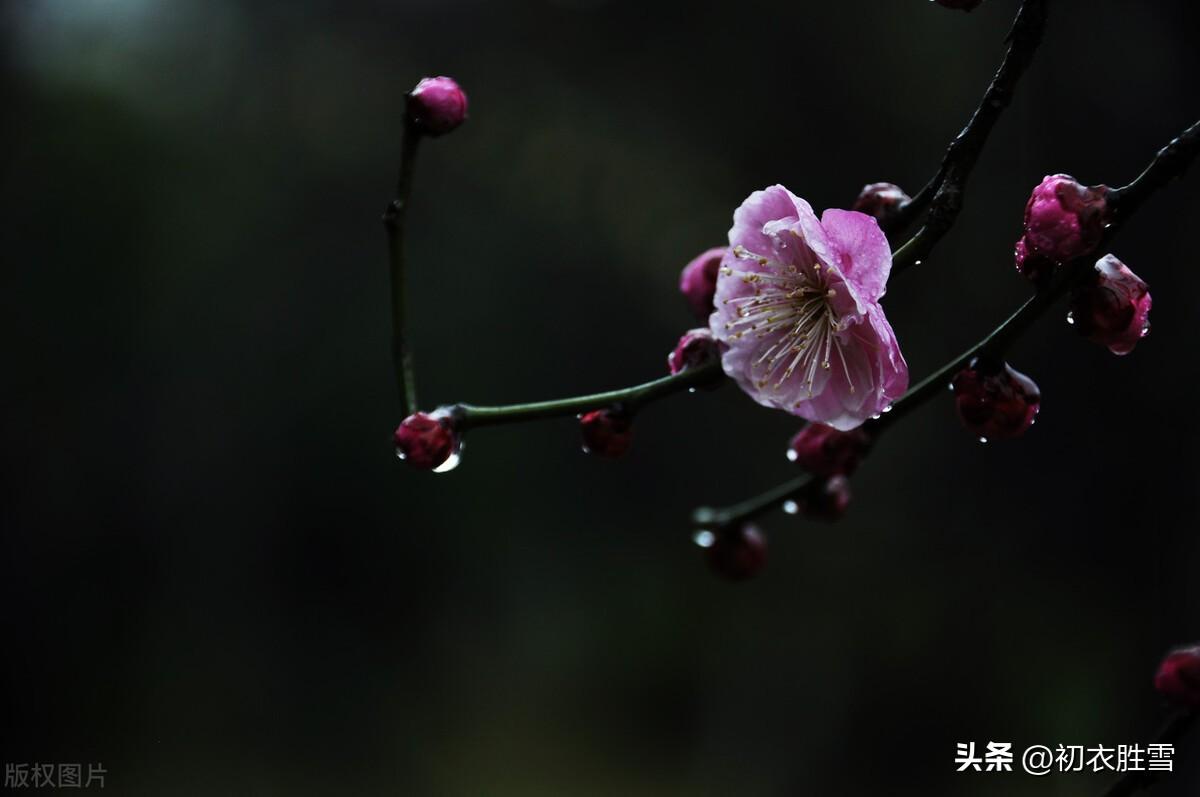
[(791, 507), (917, 262), (792, 455), (875, 417), (888, 408), (704, 538), (983, 439), (691, 390), (450, 464), (1071, 317)]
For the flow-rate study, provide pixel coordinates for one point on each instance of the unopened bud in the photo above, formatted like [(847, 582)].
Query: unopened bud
[(1178, 677), (995, 402), (737, 553), (606, 433), (697, 347), (437, 105), (426, 441), (824, 451), (881, 200), (1064, 219), (1113, 307), (698, 281)]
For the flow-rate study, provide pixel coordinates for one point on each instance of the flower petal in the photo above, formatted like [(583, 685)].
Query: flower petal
[(862, 251)]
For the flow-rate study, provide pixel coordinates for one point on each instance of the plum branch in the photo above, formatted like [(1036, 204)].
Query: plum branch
[(394, 222), (630, 399), (944, 192), (1170, 162)]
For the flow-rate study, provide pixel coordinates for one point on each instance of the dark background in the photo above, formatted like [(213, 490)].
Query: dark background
[(218, 580)]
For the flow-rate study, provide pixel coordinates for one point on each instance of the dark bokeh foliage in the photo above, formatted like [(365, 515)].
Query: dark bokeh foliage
[(216, 578)]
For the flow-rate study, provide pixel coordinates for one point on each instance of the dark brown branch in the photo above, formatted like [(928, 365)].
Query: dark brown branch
[(944, 193)]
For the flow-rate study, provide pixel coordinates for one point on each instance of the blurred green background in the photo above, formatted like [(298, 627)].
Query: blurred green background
[(218, 580)]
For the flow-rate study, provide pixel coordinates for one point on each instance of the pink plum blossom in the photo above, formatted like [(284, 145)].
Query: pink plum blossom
[(797, 307)]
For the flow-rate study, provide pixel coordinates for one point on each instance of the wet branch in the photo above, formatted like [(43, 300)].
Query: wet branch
[(944, 193), (1170, 162)]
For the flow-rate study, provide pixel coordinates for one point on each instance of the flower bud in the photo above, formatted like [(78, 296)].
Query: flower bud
[(965, 5), (995, 402), (437, 105), (697, 347), (880, 200), (1064, 219), (1178, 677), (426, 441), (698, 281), (1113, 307), (737, 553), (824, 451), (606, 433), (822, 499)]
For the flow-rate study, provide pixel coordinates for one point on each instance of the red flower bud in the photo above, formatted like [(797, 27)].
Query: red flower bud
[(880, 200), (1064, 219), (822, 499), (606, 433), (1113, 307), (735, 553), (437, 105), (698, 281), (427, 441), (697, 347), (1178, 677), (824, 451), (995, 402)]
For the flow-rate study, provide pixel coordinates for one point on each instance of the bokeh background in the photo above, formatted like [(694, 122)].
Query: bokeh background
[(216, 578)]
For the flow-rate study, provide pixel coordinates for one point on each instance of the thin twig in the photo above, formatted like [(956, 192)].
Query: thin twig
[(629, 399), (944, 193), (394, 221)]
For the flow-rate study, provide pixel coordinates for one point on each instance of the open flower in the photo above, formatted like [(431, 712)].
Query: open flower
[(797, 305)]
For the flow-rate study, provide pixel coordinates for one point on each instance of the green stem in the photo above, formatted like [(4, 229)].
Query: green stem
[(394, 221), (629, 399), (707, 517)]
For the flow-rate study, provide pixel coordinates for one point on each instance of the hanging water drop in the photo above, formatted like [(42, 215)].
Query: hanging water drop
[(704, 538), (791, 507), (451, 462)]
